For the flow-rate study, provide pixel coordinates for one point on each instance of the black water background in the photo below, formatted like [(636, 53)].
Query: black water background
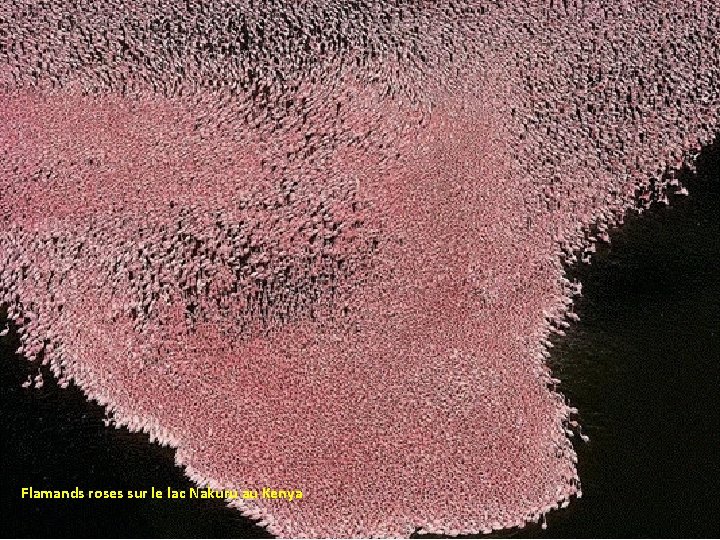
[(53, 438), (642, 367)]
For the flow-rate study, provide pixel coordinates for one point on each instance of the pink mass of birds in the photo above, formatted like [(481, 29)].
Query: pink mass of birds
[(319, 245)]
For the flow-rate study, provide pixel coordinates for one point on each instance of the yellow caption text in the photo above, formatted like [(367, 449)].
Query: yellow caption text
[(166, 493)]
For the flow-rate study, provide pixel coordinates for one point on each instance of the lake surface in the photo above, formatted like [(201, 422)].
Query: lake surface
[(642, 367)]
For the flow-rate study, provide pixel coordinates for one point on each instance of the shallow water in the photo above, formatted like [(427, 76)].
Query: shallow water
[(642, 367)]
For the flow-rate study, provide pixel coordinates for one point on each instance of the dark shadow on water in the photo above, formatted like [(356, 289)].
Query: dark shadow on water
[(53, 438), (642, 367)]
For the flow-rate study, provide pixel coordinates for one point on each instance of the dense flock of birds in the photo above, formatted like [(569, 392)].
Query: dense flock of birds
[(319, 245)]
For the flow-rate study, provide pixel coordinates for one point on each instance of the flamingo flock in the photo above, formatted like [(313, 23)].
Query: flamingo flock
[(319, 245)]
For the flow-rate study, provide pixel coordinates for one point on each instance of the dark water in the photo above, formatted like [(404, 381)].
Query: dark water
[(643, 368), (52, 438)]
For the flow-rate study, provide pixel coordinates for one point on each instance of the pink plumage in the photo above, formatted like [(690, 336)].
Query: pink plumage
[(319, 245)]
